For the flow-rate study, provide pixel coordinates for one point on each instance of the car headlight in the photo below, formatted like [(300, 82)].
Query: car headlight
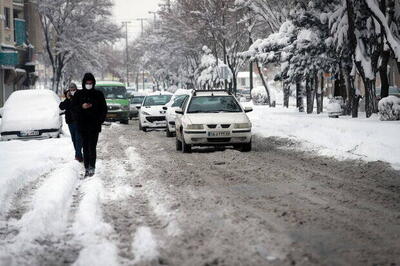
[(242, 125), (145, 113), (194, 126)]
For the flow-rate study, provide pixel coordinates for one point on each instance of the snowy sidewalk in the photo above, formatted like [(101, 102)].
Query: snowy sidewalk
[(343, 138)]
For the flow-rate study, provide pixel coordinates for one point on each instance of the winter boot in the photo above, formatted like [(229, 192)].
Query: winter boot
[(87, 173), (91, 171)]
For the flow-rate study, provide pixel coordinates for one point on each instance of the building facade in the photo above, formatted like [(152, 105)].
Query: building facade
[(20, 41)]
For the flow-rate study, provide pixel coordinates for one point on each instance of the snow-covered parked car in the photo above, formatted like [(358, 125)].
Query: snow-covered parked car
[(151, 112), (212, 118), (31, 114), (260, 96), (335, 107), (176, 102)]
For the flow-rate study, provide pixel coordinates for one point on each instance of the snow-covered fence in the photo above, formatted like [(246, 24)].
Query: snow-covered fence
[(389, 108)]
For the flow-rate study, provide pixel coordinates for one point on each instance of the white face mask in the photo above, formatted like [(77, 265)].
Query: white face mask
[(89, 86), (72, 93)]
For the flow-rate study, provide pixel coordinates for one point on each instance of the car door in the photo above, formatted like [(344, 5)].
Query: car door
[(178, 119)]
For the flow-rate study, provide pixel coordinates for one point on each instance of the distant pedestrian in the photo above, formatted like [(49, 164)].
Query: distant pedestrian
[(90, 110), (72, 123)]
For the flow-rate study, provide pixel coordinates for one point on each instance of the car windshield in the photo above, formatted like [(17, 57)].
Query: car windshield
[(157, 100), (393, 90), (113, 92), (137, 100), (179, 100), (214, 104)]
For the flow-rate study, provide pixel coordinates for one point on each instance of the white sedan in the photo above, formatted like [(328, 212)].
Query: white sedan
[(31, 114), (151, 112), (176, 102), (213, 118)]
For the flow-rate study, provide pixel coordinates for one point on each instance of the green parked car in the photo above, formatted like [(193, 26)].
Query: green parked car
[(117, 100)]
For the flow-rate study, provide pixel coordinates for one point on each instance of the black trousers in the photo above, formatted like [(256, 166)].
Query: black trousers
[(89, 143)]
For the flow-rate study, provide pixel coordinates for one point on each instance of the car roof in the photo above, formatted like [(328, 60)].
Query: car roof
[(211, 93), (109, 83), (159, 93)]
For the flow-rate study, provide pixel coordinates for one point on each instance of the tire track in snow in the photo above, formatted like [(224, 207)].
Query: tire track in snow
[(127, 205)]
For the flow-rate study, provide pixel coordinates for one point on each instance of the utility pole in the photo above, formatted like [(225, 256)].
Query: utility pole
[(142, 24), (125, 23), (155, 18)]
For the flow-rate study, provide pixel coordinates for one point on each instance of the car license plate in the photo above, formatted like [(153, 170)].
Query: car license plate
[(29, 133), (219, 134)]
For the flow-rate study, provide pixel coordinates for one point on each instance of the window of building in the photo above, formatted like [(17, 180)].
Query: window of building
[(7, 16), (243, 82)]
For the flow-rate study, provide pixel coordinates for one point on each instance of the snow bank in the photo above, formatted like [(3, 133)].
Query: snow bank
[(50, 204), (31, 110), (144, 245), (389, 108), (22, 162), (343, 138), (91, 231)]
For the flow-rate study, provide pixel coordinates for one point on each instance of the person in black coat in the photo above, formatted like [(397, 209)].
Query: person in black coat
[(72, 123), (90, 110)]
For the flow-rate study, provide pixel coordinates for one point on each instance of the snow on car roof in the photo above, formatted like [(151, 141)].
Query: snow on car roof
[(110, 83), (159, 93), (212, 92)]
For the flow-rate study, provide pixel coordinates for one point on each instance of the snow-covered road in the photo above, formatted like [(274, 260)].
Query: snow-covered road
[(151, 205)]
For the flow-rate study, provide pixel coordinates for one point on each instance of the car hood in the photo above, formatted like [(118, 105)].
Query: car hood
[(154, 110), (218, 118)]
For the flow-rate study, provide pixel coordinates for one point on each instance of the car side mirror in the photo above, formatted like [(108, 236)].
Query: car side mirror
[(248, 109), (165, 108), (179, 111), (138, 106)]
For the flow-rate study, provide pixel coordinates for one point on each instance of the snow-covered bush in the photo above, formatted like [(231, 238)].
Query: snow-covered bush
[(259, 95), (389, 108)]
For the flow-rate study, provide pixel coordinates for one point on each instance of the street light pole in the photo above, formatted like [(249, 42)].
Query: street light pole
[(125, 23)]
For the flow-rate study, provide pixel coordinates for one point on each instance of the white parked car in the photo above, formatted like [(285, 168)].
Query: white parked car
[(175, 103), (31, 114), (213, 118), (151, 112), (335, 107), (136, 99)]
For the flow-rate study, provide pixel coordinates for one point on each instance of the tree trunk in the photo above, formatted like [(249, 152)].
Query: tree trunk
[(286, 94), (350, 91), (319, 91), (309, 95), (264, 83), (368, 97), (299, 97), (384, 74)]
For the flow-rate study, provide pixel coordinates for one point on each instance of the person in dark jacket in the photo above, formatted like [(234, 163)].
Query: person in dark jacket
[(72, 123), (90, 110)]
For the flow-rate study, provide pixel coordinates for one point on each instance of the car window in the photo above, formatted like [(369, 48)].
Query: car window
[(213, 104), (137, 100), (113, 92), (178, 102), (157, 100)]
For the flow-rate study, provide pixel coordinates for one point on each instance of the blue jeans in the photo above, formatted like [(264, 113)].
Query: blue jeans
[(76, 139)]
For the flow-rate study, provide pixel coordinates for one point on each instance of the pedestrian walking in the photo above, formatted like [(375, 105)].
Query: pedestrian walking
[(66, 106), (90, 110)]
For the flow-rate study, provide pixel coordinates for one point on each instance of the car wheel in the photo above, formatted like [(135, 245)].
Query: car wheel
[(140, 126), (186, 148), (168, 133), (144, 129), (246, 147), (178, 144), (125, 121)]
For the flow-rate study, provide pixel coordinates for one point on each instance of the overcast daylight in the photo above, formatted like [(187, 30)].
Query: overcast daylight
[(200, 132)]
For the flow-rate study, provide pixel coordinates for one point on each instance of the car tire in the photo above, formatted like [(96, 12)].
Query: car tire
[(186, 148), (169, 133), (178, 144), (144, 129), (125, 121), (140, 126), (246, 147)]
